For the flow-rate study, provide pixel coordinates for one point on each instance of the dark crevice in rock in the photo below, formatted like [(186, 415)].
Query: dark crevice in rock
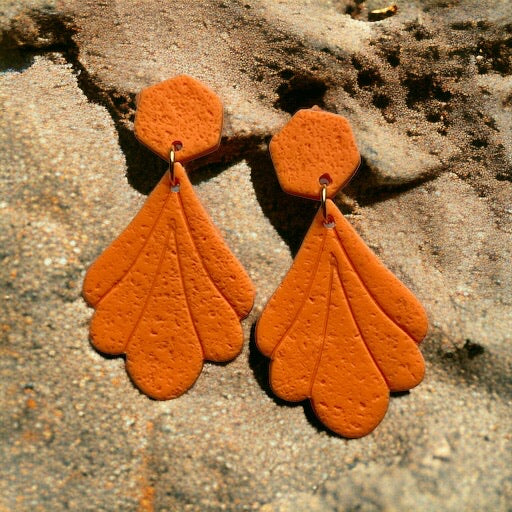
[(433, 116), (424, 87), (354, 8), (368, 77), (302, 90), (393, 58), (506, 175), (462, 25), (418, 30), (473, 349), (479, 143), (12, 59), (30, 34), (497, 56), (472, 364), (381, 101), (34, 31)]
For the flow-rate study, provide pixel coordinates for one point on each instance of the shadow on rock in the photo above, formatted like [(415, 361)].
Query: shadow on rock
[(144, 169), (291, 216)]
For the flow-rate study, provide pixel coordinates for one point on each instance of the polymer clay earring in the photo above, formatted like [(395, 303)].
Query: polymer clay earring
[(341, 330), (168, 292)]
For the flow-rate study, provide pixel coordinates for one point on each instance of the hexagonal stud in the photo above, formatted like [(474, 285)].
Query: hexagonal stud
[(314, 148), (180, 109)]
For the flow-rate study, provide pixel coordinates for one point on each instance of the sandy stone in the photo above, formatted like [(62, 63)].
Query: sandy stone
[(427, 92)]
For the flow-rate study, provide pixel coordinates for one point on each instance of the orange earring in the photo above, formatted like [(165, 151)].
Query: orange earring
[(341, 329), (168, 292)]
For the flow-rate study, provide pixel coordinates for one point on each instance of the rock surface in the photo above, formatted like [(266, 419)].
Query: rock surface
[(429, 94)]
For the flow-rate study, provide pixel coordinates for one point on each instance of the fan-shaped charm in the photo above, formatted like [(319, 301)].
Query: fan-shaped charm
[(341, 329), (168, 292)]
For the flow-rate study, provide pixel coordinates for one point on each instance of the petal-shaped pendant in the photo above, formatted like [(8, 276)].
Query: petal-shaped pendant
[(168, 293), (342, 330)]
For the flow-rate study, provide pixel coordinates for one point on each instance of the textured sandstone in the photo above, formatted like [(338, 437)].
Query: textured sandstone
[(428, 93)]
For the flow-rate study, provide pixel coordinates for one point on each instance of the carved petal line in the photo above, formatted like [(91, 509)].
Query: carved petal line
[(155, 277), (304, 299), (226, 272), (146, 241), (164, 357), (326, 322), (363, 284), (392, 295), (108, 269), (185, 293), (356, 323), (394, 351), (187, 226), (215, 320), (282, 308), (116, 315), (349, 394)]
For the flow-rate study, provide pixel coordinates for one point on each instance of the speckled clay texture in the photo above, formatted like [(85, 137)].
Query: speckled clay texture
[(342, 330), (179, 109), (168, 293), (313, 144), (427, 93)]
